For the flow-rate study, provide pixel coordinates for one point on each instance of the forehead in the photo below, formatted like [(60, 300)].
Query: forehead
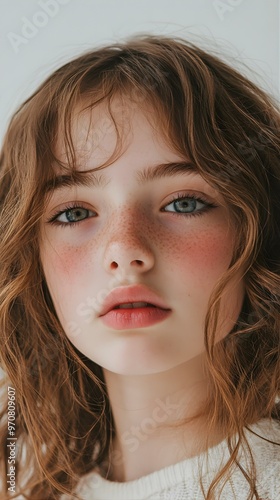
[(96, 132)]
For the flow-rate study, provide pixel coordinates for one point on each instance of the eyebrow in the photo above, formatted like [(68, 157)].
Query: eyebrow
[(91, 179)]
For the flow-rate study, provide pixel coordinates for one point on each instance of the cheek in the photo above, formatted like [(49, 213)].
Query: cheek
[(205, 253), (198, 264), (67, 262), (66, 269), (71, 260)]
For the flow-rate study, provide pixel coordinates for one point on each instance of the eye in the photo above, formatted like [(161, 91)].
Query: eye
[(71, 215), (188, 205)]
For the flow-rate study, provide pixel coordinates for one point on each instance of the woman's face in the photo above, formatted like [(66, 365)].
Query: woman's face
[(128, 230)]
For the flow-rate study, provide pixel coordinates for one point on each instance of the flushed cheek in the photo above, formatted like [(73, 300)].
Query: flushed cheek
[(68, 261), (75, 283), (204, 254), (69, 280), (196, 265)]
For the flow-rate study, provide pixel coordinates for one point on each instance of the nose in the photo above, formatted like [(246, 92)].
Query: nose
[(128, 252)]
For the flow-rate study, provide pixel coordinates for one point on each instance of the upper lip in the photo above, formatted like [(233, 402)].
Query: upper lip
[(125, 295)]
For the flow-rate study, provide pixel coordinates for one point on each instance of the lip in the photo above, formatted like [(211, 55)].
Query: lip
[(140, 317), (135, 293)]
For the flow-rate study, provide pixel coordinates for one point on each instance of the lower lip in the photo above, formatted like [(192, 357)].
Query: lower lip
[(122, 319)]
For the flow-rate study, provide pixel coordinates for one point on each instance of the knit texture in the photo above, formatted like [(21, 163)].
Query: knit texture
[(181, 481)]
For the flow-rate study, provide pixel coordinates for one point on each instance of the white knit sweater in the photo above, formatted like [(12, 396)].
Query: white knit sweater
[(181, 481)]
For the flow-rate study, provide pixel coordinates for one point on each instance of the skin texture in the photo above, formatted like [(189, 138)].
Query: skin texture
[(130, 240)]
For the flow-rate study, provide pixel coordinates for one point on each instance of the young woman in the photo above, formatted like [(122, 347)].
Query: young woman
[(140, 258)]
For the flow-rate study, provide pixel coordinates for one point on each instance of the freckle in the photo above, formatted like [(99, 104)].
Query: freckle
[(195, 252), (69, 258)]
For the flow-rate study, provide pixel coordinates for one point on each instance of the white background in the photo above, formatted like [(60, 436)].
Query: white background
[(34, 42)]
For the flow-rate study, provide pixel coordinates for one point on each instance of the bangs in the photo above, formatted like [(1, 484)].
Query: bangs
[(116, 99)]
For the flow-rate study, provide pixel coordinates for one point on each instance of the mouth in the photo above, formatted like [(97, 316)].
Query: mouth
[(132, 298), (134, 305), (131, 315)]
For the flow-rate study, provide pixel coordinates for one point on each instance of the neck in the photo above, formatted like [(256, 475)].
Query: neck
[(147, 411)]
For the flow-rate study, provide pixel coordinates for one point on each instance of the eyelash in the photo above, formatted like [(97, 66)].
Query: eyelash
[(200, 199), (53, 220)]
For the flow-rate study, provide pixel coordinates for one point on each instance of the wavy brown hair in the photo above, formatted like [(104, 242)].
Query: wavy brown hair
[(229, 128)]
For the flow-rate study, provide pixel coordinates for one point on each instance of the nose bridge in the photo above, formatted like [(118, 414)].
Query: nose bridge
[(128, 221)]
